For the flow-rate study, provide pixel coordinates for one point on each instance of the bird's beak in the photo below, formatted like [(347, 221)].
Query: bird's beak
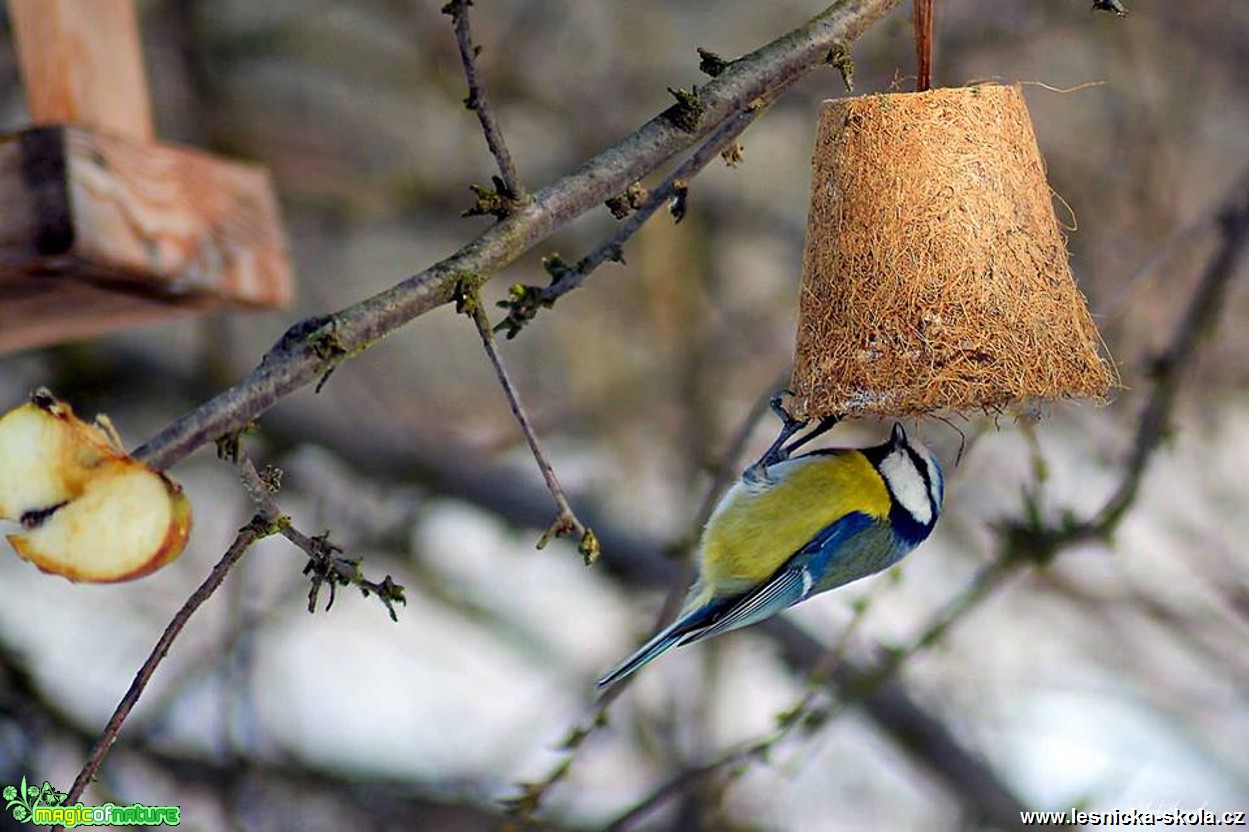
[(898, 437)]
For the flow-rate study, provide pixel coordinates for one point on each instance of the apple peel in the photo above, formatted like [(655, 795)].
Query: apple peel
[(90, 511)]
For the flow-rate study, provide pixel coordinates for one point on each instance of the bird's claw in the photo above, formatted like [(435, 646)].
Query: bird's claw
[(777, 452), (789, 424)]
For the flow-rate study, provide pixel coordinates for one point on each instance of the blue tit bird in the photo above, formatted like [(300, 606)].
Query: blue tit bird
[(791, 529)]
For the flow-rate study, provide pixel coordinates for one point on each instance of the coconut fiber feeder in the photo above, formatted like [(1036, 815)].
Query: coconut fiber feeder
[(935, 274)]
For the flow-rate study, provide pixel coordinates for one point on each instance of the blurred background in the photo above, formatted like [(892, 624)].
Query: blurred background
[(1113, 676)]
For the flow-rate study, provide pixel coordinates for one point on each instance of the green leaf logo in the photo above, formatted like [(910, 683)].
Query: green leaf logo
[(22, 800)]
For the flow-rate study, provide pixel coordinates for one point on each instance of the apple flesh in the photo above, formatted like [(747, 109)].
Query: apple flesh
[(90, 511), (46, 454)]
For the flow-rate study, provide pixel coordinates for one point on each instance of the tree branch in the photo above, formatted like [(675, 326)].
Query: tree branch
[(512, 190), (313, 347)]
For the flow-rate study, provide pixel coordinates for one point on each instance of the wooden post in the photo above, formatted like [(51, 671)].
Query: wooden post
[(102, 226), (83, 64)]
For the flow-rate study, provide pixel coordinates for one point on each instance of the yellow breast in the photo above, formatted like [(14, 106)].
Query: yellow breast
[(757, 527)]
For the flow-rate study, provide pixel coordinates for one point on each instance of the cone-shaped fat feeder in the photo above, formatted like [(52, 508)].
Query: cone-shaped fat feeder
[(935, 273)]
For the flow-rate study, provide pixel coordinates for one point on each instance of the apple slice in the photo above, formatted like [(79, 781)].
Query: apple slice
[(46, 454), (91, 512), (128, 522)]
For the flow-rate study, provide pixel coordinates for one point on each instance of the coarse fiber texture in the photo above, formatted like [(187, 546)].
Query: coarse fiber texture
[(935, 276)]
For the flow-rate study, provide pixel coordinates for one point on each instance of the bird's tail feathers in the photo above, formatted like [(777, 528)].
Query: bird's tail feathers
[(678, 632)]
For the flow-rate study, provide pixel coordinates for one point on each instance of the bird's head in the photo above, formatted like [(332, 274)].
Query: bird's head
[(915, 481)]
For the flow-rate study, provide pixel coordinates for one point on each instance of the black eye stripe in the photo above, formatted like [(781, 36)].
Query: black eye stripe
[(920, 465)]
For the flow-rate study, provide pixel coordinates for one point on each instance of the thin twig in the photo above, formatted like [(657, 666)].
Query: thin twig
[(312, 347), (246, 536), (523, 308), (567, 522), (662, 194), (325, 564), (480, 104), (679, 784)]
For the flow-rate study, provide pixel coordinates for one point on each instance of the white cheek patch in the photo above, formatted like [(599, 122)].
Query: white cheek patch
[(907, 485)]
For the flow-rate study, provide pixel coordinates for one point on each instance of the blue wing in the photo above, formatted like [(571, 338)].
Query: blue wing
[(797, 579), (793, 582)]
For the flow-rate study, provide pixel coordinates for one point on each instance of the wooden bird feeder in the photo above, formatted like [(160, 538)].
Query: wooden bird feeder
[(101, 226), (935, 275)]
